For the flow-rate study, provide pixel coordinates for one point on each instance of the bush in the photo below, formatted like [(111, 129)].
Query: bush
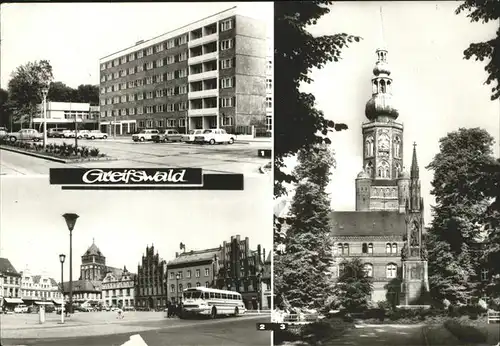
[(64, 149), (375, 313), (94, 152), (465, 333)]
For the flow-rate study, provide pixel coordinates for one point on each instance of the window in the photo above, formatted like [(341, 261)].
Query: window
[(182, 73), (103, 78), (388, 248), (123, 73), (269, 84), (140, 68), (364, 248), (170, 44), (197, 273), (171, 123), (103, 102), (170, 75), (226, 102), (123, 86), (189, 285), (182, 122), (183, 56), (130, 84), (123, 60), (159, 48), (226, 25), (207, 271), (269, 102), (226, 82), (131, 57), (170, 107), (391, 270), (115, 75), (140, 96), (198, 284), (226, 63), (149, 80), (109, 77), (131, 70), (172, 275), (103, 67), (172, 288), (109, 64), (149, 109), (394, 248), (149, 65), (484, 274), (227, 121), (370, 248), (139, 82), (131, 111), (159, 63), (149, 51), (226, 44), (170, 91), (103, 90), (182, 106), (123, 98), (368, 268), (123, 111), (183, 89), (207, 284), (170, 59), (188, 275), (158, 93), (343, 248), (160, 109), (149, 95), (116, 62), (182, 40), (159, 78)]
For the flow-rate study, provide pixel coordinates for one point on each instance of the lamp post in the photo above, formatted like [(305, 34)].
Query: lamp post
[(45, 92), (70, 222), (76, 135), (62, 257), (177, 277)]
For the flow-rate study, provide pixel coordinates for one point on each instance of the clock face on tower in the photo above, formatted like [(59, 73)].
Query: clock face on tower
[(383, 143)]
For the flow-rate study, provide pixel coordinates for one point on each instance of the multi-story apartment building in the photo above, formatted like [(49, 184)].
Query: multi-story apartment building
[(192, 269), (65, 114), (36, 288), (10, 284), (150, 281), (207, 74), (269, 90), (118, 290)]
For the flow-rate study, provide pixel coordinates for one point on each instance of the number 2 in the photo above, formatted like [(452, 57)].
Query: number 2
[(262, 326)]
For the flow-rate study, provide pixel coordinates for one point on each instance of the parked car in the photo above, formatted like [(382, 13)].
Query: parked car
[(189, 138), (67, 134), (128, 308), (167, 136), (55, 133), (213, 136), (96, 134), (3, 132), (83, 134), (21, 309), (144, 135), (25, 135)]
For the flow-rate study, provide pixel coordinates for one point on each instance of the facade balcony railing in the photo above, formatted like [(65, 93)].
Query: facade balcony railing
[(203, 75), (203, 57), (202, 40), (203, 111), (203, 93)]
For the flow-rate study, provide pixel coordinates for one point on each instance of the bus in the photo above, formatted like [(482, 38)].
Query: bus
[(211, 302)]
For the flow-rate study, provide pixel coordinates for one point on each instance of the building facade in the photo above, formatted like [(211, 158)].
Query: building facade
[(266, 291), (241, 269), (208, 74), (65, 114), (150, 281), (36, 288), (192, 269), (119, 290), (84, 292), (386, 228), (10, 284), (269, 90)]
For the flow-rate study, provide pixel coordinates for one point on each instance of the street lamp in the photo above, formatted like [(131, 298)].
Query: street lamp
[(45, 92), (62, 257), (177, 277), (70, 222)]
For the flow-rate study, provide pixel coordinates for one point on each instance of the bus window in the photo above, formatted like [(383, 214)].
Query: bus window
[(224, 296), (217, 295), (206, 295), (212, 295)]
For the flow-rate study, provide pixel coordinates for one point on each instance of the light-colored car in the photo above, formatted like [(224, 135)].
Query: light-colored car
[(189, 138), (55, 133), (83, 134), (144, 135), (25, 135), (96, 134), (167, 136), (21, 309), (67, 134), (213, 136), (3, 132)]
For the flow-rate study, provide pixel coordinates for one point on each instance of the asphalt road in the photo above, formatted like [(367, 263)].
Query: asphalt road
[(383, 335), (223, 158), (225, 331)]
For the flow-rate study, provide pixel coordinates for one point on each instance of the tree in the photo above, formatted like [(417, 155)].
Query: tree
[(485, 11), (60, 92), (302, 274), (353, 288), (299, 125), (88, 93), (492, 255), (4, 108), (460, 186), (25, 88)]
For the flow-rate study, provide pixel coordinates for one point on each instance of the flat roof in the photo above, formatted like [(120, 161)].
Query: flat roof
[(183, 29)]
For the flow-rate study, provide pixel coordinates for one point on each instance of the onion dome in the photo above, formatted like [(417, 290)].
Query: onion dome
[(404, 174), (381, 67), (363, 175), (381, 105)]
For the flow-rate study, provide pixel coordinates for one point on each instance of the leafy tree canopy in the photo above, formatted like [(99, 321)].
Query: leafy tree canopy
[(485, 11), (353, 288), (298, 123)]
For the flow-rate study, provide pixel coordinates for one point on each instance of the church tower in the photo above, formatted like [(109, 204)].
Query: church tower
[(382, 184), (93, 265)]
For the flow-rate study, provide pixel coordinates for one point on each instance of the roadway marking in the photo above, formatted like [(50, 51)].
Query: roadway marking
[(135, 340)]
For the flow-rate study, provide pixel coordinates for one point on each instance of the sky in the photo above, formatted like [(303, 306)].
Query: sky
[(123, 223), (74, 36), (436, 90)]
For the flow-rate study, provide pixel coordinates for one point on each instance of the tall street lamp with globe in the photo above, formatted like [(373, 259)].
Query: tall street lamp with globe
[(70, 222), (62, 257), (45, 92), (177, 277)]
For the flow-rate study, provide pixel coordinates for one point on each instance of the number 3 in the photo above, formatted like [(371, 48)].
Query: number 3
[(282, 326)]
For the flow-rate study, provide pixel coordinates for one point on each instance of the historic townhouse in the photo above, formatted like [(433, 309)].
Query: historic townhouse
[(118, 290), (36, 288), (10, 284), (150, 281), (207, 74)]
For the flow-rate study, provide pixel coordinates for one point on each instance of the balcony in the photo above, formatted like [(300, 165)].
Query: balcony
[(203, 111), (203, 75), (203, 40), (203, 57), (203, 93)]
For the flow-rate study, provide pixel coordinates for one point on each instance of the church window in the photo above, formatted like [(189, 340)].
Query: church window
[(369, 146), (340, 249), (388, 248), (370, 248), (365, 248), (341, 269), (382, 86), (375, 87), (484, 274), (397, 146), (368, 268), (398, 169), (383, 170), (391, 270), (369, 169), (394, 248), (345, 249)]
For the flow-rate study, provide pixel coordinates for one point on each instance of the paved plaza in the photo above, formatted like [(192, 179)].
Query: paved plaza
[(240, 157)]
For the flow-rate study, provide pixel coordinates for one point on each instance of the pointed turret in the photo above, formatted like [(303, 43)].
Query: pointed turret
[(414, 182), (414, 163)]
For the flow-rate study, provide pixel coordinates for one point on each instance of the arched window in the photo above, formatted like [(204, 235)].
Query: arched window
[(370, 248), (346, 249), (391, 270), (397, 146), (369, 169), (394, 248), (388, 248), (341, 269), (368, 267), (340, 248), (375, 87), (369, 146), (383, 170), (389, 89), (198, 284), (189, 285), (382, 86), (398, 169), (365, 248)]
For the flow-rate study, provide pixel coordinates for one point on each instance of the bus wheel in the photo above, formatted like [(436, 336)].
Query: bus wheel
[(213, 314), (236, 312)]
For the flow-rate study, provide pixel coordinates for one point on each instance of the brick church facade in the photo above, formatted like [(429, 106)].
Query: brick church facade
[(385, 230)]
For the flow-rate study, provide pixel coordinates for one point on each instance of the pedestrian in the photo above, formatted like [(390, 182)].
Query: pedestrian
[(169, 309), (120, 314)]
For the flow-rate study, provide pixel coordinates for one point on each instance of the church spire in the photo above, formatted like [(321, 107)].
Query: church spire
[(414, 163)]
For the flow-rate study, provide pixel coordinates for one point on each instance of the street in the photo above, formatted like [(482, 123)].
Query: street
[(383, 335), (155, 331), (235, 158)]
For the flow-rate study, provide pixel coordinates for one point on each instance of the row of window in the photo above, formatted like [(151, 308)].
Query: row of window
[(171, 43), (172, 275), (172, 287), (343, 249), (391, 270), (43, 294), (11, 280), (118, 292)]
